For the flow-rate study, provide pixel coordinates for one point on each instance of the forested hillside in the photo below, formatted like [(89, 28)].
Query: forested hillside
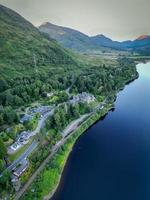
[(70, 38), (23, 45), (30, 64)]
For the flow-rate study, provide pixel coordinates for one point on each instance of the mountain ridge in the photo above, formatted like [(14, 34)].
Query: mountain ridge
[(143, 37), (76, 40), (68, 37)]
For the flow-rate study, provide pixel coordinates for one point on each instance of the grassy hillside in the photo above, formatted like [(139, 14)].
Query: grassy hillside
[(30, 65), (24, 47)]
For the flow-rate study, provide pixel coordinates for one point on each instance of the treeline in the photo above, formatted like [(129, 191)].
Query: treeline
[(8, 115), (24, 90), (64, 114), (104, 80), (98, 80), (5, 177)]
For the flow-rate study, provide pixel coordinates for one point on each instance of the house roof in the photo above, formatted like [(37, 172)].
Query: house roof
[(22, 168)]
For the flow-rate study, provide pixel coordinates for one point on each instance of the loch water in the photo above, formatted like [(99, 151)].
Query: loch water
[(111, 160)]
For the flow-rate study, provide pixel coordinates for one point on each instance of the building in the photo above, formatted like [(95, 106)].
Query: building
[(83, 97), (50, 94), (24, 137), (42, 110), (15, 146), (22, 168), (21, 140)]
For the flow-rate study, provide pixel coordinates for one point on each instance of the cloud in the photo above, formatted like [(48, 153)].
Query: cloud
[(119, 19)]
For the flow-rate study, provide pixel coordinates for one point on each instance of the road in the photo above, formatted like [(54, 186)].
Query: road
[(53, 151), (23, 156), (34, 143), (42, 121)]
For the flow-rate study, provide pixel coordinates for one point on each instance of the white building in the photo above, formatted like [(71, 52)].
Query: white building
[(14, 147), (22, 168), (83, 97), (22, 139)]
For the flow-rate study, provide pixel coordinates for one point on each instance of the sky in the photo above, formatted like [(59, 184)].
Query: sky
[(117, 19)]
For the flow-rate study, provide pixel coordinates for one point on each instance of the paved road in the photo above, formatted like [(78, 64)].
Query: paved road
[(42, 121), (23, 156), (41, 167)]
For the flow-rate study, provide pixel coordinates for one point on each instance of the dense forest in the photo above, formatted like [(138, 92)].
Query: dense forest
[(99, 80)]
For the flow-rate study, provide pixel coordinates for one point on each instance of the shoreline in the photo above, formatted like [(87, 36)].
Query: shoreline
[(67, 147), (71, 140), (61, 191), (50, 195)]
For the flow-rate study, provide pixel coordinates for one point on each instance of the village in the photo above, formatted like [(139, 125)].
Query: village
[(24, 137), (19, 166)]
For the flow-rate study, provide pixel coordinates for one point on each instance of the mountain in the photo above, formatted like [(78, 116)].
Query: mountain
[(22, 45), (143, 37), (68, 37), (78, 41), (143, 40), (140, 45), (104, 41)]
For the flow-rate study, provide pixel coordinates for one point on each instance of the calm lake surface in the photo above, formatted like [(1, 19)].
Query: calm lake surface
[(111, 161)]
